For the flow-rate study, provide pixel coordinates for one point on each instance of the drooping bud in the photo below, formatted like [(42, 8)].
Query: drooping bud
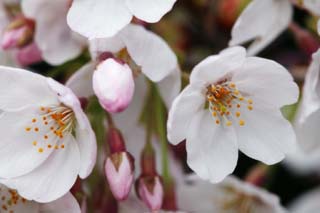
[(119, 169), (149, 187), (113, 84), (28, 55), (115, 140), (19, 33), (150, 191)]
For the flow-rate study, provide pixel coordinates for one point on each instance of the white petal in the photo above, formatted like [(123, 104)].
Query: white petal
[(267, 81), (213, 68), (32, 90), (266, 135), (183, 109), (149, 51), (100, 45), (88, 149), (18, 154), (126, 119), (212, 151), (65, 204), (18, 207), (54, 38), (311, 91), (81, 81), (170, 87), (313, 6), (53, 178), (307, 203), (308, 133), (149, 10), (96, 19), (261, 21)]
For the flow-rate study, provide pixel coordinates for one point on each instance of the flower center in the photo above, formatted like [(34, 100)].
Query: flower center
[(225, 103), (53, 124), (8, 199)]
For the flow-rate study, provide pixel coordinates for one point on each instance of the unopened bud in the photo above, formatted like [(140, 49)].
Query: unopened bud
[(18, 34), (113, 84), (115, 140), (150, 191), (119, 169), (28, 55)]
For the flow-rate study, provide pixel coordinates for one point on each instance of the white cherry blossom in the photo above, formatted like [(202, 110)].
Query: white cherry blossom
[(233, 103), (230, 196), (260, 23), (145, 53), (53, 36), (47, 139), (96, 19), (12, 202)]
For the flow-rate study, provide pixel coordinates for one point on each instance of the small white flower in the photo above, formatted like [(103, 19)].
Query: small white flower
[(233, 102), (53, 36), (307, 158), (47, 139), (144, 52), (11, 202), (261, 22), (307, 203), (231, 195), (105, 18)]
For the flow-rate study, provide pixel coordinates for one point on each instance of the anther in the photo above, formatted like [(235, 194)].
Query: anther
[(238, 114), (40, 150), (217, 122), (250, 107), (229, 123), (241, 122)]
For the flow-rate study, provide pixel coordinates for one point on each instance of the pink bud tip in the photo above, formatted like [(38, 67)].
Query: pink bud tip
[(12, 38), (119, 171), (150, 191), (28, 55), (113, 84)]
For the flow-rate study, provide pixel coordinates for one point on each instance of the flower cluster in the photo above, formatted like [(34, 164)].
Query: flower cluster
[(108, 106)]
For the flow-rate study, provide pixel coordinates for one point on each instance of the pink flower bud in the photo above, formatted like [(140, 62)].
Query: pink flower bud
[(28, 55), (113, 84), (18, 34), (150, 191), (119, 171)]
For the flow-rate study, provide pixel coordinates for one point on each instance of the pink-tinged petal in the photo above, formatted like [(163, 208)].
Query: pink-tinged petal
[(120, 177), (27, 93), (153, 199), (53, 178), (267, 81), (149, 51), (262, 22), (266, 135), (81, 81), (155, 9), (54, 38), (100, 21), (183, 109), (212, 150), (12, 38), (65, 204), (28, 55), (170, 87), (113, 84), (214, 68)]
